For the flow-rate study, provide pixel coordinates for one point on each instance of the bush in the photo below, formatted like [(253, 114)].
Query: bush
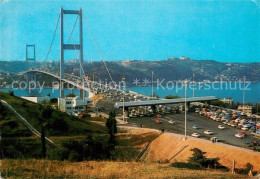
[(245, 171), (187, 165), (74, 157), (11, 93), (198, 158), (58, 154)]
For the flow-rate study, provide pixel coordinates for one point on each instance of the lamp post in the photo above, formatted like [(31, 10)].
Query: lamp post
[(193, 84), (123, 80), (185, 108), (152, 84), (244, 94)]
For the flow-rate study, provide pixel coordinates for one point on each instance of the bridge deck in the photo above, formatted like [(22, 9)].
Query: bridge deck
[(164, 101)]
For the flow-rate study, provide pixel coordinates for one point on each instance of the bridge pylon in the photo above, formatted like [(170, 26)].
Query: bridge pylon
[(29, 60), (71, 47)]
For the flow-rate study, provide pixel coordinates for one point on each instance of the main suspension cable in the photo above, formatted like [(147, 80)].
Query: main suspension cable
[(53, 38), (95, 42)]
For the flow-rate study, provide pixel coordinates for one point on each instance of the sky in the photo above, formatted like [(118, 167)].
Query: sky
[(222, 30)]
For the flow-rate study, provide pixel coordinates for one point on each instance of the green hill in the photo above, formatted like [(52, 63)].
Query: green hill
[(60, 123)]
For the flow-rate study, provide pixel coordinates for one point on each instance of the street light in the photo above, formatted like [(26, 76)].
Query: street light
[(193, 85), (123, 80), (185, 108), (152, 84), (244, 94)]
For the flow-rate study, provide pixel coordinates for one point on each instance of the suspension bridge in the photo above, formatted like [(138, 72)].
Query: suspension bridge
[(81, 82)]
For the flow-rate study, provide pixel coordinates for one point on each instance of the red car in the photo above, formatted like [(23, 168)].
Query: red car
[(158, 122)]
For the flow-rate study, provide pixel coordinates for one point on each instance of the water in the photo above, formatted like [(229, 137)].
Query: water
[(233, 90), (230, 90)]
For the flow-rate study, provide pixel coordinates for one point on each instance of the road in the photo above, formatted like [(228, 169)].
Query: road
[(226, 135)]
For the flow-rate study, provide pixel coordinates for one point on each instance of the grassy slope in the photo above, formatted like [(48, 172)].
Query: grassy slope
[(30, 111), (63, 169)]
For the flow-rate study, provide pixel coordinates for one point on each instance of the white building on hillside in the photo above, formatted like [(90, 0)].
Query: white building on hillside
[(36, 99), (73, 104)]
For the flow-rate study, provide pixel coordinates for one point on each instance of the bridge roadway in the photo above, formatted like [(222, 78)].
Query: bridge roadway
[(165, 101), (87, 85), (91, 86)]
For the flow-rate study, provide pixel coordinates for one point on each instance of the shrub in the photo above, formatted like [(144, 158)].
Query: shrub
[(198, 158), (11, 93), (74, 157)]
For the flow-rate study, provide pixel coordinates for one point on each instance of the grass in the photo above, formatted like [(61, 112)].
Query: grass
[(104, 169), (31, 112)]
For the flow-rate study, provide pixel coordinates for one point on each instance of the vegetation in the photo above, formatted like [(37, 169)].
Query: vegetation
[(199, 161), (172, 97), (46, 120), (71, 95), (33, 168)]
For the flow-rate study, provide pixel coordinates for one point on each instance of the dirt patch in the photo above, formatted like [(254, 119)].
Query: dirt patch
[(168, 145)]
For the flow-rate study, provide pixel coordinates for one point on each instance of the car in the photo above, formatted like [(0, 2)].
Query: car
[(221, 127), (195, 127), (215, 139), (240, 136), (208, 132), (171, 121), (158, 122), (195, 135), (244, 128)]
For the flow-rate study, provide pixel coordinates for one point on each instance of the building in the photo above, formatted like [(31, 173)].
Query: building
[(73, 105), (228, 101), (184, 58), (245, 108), (36, 99)]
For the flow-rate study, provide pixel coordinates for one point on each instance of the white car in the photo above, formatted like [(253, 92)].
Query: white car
[(244, 128), (171, 121), (208, 132), (221, 127), (214, 139), (195, 135), (238, 135)]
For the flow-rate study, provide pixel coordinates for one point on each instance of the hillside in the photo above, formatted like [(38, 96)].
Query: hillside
[(169, 69), (102, 169)]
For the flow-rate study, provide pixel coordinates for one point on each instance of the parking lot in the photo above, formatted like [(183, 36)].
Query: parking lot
[(226, 135)]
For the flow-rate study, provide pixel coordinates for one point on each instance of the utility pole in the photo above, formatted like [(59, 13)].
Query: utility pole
[(152, 84), (123, 80), (193, 84), (185, 108), (244, 94)]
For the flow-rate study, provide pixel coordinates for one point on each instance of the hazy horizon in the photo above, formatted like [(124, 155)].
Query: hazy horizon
[(224, 30)]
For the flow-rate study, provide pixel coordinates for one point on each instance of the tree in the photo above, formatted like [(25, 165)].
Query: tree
[(71, 95), (199, 159), (111, 123), (11, 93), (43, 141), (172, 97)]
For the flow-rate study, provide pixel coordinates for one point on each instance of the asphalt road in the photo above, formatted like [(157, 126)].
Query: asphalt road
[(226, 135)]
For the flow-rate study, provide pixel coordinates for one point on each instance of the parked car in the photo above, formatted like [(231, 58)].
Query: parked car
[(171, 121), (215, 139), (240, 136), (244, 128), (221, 127), (158, 122), (195, 127), (208, 132), (195, 135)]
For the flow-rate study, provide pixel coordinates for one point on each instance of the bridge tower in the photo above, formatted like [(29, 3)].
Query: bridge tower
[(73, 46), (32, 75)]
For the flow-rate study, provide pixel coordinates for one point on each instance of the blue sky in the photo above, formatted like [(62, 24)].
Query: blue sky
[(222, 30)]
